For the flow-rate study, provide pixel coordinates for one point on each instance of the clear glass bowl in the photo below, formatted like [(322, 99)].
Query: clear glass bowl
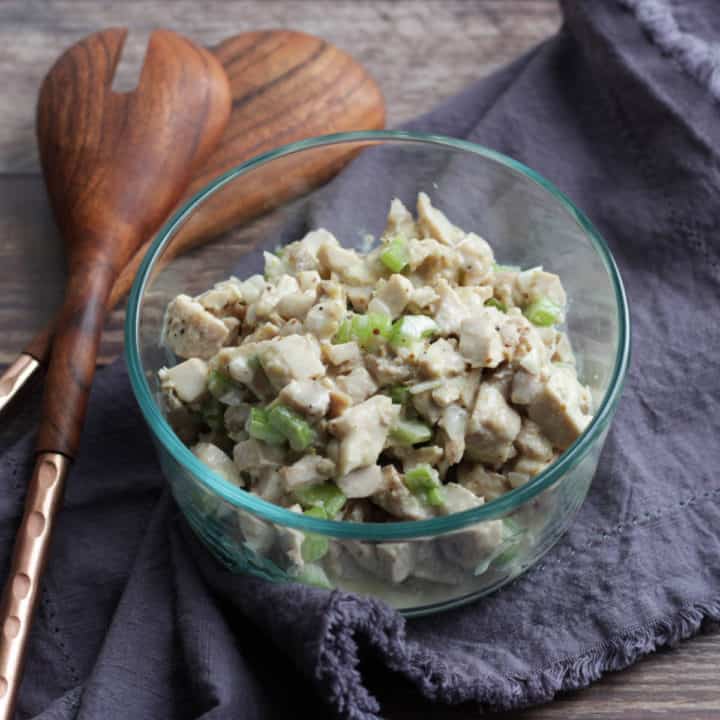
[(527, 221)]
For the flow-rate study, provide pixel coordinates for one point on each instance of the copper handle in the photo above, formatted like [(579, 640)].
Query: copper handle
[(15, 377), (22, 587)]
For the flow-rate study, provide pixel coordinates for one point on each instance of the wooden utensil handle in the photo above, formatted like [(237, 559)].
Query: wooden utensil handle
[(72, 361), (22, 588)]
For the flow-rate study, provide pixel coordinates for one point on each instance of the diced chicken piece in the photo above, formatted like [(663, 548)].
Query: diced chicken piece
[(343, 356), (563, 352), (225, 298), (471, 549), (493, 427), (290, 543), (503, 286), (218, 461), (399, 221), (469, 389), (474, 297), (390, 561), (296, 305), (532, 443), (426, 407), (233, 325), (302, 256), (295, 357), (454, 423), (450, 311), (309, 280), (429, 259), (347, 264), (531, 466), (395, 560), (531, 354), (422, 299), (268, 484), (274, 266), (188, 380), (517, 479), (308, 470), (308, 397), (413, 456), (362, 430), (357, 511), (323, 319), (502, 379), (359, 298), (449, 392), (358, 384), (361, 483), (396, 499), (525, 387), (258, 535), (391, 296), (266, 305), (441, 359), (477, 260), (387, 371), (252, 454), (535, 283), (480, 340), (252, 288), (557, 408), (433, 223), (339, 403), (191, 331), (485, 484), (433, 566)]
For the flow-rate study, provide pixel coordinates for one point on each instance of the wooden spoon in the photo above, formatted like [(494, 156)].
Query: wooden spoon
[(286, 86), (114, 165)]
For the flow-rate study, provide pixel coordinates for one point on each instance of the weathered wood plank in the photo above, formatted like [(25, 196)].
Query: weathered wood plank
[(420, 52)]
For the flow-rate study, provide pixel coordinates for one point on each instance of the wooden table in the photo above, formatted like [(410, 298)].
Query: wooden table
[(421, 53)]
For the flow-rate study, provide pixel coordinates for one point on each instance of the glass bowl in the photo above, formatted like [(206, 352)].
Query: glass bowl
[(526, 220)]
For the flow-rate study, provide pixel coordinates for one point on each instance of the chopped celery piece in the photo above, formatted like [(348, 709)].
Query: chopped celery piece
[(506, 268), (395, 255), (494, 302), (344, 332), (424, 482), (543, 312), (326, 496), (291, 426), (421, 477), (258, 426), (224, 388), (435, 496), (410, 328), (313, 575), (369, 329), (213, 414), (399, 394), (314, 546), (410, 432)]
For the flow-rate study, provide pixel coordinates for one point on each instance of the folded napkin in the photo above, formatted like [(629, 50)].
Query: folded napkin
[(620, 110)]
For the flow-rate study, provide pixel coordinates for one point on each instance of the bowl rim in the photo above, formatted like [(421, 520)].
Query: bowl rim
[(390, 530)]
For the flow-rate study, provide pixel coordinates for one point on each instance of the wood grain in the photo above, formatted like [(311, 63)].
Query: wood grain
[(115, 164), (416, 69)]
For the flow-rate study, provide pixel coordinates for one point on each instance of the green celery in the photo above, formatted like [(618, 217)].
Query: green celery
[(399, 394), (543, 312), (506, 268), (370, 329), (327, 496), (344, 332), (314, 546), (258, 426), (395, 255), (291, 426), (410, 432), (408, 329), (494, 302)]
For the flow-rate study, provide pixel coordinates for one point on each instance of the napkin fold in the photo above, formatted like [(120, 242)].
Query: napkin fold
[(136, 620)]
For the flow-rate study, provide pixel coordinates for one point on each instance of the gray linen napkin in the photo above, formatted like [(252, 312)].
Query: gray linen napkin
[(137, 621)]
